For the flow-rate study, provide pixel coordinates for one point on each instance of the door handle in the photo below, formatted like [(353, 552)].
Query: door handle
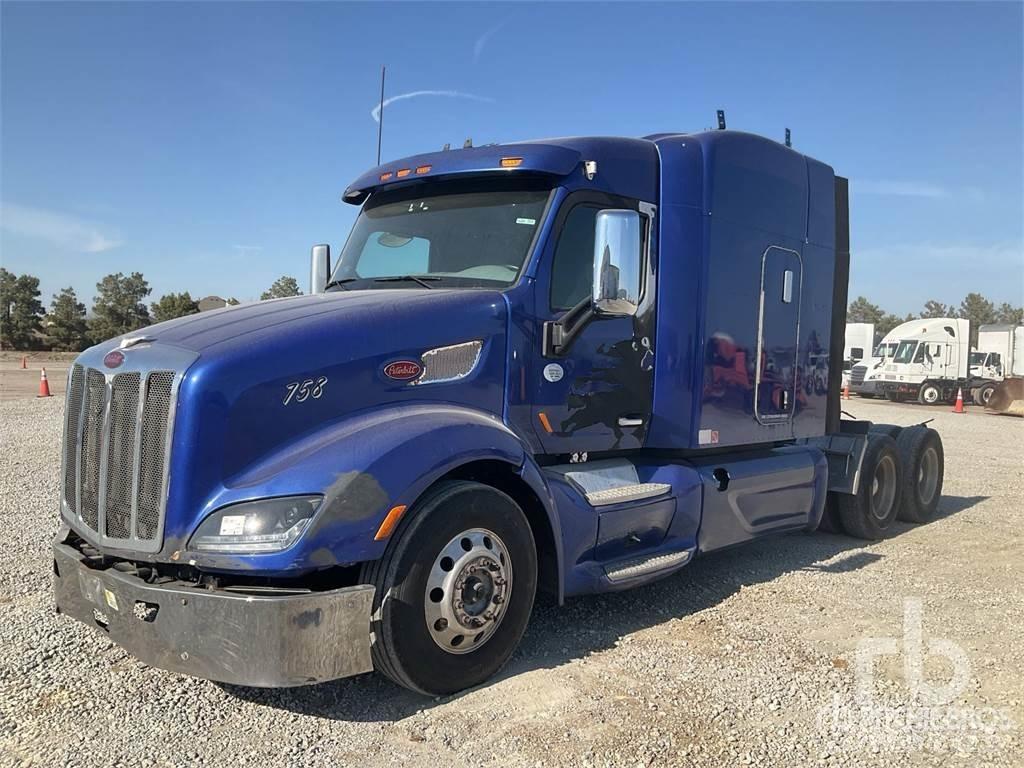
[(630, 421)]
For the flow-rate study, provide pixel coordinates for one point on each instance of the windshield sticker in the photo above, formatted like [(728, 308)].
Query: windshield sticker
[(531, 222)]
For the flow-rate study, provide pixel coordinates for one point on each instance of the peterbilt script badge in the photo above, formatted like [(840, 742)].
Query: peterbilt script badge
[(113, 358), (403, 370)]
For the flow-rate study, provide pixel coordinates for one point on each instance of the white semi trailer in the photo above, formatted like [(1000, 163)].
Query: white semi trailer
[(999, 355)]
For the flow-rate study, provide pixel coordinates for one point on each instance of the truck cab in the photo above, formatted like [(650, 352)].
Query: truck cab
[(570, 365)]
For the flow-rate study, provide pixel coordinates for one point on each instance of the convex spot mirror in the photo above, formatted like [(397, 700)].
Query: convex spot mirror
[(617, 263)]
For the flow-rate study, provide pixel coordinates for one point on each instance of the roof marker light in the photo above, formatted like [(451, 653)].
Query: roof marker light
[(386, 176), (403, 172), (424, 169), (511, 162)]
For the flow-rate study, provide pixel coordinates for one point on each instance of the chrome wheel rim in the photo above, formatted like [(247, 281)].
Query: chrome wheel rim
[(928, 476), (931, 395), (883, 488), (467, 591)]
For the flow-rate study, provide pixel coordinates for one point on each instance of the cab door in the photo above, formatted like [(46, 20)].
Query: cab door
[(778, 335), (597, 393)]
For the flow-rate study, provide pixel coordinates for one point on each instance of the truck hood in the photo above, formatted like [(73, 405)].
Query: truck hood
[(222, 330), (266, 376)]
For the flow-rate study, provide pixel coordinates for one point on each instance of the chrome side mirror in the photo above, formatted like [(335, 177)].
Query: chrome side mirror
[(319, 268), (617, 263)]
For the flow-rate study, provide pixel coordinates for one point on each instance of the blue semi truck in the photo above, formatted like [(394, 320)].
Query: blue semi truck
[(567, 365)]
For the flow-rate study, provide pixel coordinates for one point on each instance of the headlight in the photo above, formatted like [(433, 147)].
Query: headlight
[(266, 525)]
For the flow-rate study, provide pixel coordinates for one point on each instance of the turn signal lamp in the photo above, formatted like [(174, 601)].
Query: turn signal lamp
[(511, 162)]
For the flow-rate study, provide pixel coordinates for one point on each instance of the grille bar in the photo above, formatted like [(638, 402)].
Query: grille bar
[(116, 438)]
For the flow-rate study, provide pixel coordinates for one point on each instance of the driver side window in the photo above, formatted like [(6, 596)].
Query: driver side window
[(572, 273)]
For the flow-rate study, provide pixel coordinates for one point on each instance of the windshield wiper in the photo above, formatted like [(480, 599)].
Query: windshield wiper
[(421, 279), (342, 281)]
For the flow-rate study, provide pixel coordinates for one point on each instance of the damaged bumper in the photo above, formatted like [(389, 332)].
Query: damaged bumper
[(239, 638)]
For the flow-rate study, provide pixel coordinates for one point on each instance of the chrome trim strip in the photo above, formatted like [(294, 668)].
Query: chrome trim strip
[(777, 418), (137, 456), (101, 490)]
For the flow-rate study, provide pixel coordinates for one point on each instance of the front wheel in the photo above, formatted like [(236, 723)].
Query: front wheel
[(454, 589), (929, 394), (984, 393)]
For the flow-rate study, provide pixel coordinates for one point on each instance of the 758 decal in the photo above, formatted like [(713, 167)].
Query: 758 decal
[(301, 391)]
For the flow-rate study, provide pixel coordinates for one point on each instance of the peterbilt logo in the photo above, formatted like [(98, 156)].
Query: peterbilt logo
[(113, 358), (403, 370)]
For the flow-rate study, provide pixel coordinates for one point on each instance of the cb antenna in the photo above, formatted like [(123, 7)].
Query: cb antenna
[(380, 113)]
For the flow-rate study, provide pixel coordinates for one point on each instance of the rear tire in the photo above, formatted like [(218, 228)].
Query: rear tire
[(871, 511), (428, 634), (985, 393), (830, 522), (923, 471)]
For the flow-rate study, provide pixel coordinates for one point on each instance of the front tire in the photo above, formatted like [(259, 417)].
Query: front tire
[(984, 393), (871, 511), (454, 589), (929, 394)]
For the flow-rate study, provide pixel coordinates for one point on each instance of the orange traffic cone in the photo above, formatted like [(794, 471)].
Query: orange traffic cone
[(959, 407), (24, 362), (44, 385), (846, 392)]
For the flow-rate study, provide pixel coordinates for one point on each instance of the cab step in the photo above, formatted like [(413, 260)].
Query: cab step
[(644, 565), (624, 493), (612, 481)]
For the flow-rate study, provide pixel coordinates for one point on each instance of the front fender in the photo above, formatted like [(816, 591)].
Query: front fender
[(364, 466)]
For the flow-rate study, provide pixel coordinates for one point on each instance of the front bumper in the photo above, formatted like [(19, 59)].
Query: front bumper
[(242, 639), (868, 387)]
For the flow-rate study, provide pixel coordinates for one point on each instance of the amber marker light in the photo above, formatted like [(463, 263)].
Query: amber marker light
[(424, 169), (386, 176), (390, 521), (511, 162), (403, 172), (544, 422)]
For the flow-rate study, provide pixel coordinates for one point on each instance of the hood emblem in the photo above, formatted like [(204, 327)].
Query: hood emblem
[(113, 358), (403, 370)]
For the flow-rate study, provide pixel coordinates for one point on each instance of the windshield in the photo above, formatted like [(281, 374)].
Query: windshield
[(468, 239), (884, 350), (905, 352)]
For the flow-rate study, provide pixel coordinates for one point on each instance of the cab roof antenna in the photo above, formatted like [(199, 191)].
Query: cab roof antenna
[(380, 114), (721, 119), (446, 147), (468, 144), (789, 140)]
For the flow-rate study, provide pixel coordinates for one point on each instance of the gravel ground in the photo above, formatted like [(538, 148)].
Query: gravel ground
[(746, 657)]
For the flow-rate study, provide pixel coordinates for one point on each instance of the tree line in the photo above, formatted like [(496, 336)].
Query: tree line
[(974, 307), (118, 307)]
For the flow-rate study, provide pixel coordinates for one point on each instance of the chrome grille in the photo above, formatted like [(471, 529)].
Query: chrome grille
[(151, 466), (72, 420), (857, 374), (116, 436), (124, 415)]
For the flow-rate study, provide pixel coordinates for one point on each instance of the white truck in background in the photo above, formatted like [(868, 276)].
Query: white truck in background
[(998, 356), (858, 343), (865, 375), (933, 361)]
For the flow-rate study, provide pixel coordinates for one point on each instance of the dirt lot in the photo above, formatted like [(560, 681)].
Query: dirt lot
[(17, 382), (746, 657)]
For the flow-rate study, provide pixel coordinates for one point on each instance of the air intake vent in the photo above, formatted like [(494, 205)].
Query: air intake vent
[(449, 363)]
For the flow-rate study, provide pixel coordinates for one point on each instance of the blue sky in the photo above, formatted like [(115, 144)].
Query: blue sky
[(207, 145)]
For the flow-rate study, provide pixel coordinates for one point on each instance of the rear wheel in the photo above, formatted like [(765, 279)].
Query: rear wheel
[(923, 470), (984, 393), (454, 589), (870, 512)]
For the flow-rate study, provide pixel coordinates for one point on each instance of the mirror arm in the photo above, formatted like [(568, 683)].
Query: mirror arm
[(559, 334)]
